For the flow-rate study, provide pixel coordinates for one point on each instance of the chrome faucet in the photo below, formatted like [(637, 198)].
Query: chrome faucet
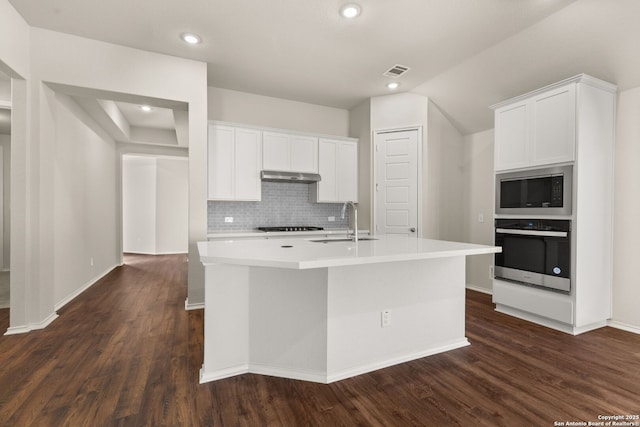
[(355, 219)]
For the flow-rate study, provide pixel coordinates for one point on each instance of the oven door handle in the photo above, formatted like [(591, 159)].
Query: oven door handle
[(532, 232)]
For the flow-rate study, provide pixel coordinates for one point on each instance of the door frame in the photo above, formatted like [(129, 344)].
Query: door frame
[(374, 171)]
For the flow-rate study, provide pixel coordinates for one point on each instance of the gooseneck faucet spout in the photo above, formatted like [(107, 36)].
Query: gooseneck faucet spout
[(354, 206)]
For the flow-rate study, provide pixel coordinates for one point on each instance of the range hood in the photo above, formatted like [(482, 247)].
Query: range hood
[(306, 178)]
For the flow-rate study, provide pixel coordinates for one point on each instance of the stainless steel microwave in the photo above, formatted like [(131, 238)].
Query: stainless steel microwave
[(544, 191)]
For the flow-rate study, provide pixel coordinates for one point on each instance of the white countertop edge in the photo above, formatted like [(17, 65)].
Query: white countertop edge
[(341, 262)]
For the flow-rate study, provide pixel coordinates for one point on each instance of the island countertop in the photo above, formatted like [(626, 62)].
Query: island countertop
[(306, 254)]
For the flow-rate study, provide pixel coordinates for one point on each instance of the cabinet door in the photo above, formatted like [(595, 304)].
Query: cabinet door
[(220, 158), (275, 151), (512, 136), (327, 156), (247, 164), (347, 172), (554, 124), (304, 154)]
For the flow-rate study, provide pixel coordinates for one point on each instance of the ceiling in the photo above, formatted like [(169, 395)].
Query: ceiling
[(464, 54)]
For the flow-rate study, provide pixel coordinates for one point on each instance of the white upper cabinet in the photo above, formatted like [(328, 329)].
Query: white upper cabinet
[(512, 136), (289, 152), (554, 126), (536, 131), (304, 153), (338, 168), (234, 159)]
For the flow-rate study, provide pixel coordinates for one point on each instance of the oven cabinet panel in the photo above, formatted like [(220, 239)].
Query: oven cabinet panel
[(593, 231), (538, 131), (534, 304)]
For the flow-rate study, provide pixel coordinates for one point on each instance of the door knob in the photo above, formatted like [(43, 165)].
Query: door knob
[(413, 229)]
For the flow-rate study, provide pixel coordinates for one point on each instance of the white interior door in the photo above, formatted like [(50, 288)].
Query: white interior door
[(396, 182)]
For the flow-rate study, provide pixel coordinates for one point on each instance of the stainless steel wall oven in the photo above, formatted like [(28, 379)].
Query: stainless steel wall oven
[(535, 252)]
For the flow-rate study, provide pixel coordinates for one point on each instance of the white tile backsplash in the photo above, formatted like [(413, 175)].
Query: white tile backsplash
[(282, 204)]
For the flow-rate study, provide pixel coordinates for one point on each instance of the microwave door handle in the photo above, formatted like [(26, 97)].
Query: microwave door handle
[(532, 232)]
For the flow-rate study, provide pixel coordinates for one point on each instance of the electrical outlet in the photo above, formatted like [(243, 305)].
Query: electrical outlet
[(228, 219), (91, 261), (385, 317), (491, 272), (481, 217), (331, 219)]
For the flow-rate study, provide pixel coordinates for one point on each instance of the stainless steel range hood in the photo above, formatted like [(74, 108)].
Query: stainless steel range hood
[(281, 176)]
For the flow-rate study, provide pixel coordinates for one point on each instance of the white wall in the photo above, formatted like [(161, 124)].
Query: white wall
[(139, 204), (172, 206), (257, 110), (14, 61), (5, 89), (479, 200), (56, 60), (443, 201), (5, 143), (83, 210), (360, 127), (626, 291), (14, 42), (155, 204), (398, 110)]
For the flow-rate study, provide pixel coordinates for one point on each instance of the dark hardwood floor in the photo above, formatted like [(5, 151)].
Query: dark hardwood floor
[(126, 353)]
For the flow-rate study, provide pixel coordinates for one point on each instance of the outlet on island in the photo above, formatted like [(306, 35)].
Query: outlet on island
[(385, 317), (228, 219)]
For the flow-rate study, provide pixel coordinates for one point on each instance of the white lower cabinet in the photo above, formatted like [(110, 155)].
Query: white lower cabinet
[(338, 168), (234, 160), (522, 300)]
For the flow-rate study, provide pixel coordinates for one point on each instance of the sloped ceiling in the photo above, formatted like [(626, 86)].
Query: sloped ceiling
[(464, 54)]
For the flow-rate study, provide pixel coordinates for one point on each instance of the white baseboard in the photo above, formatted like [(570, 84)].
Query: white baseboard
[(314, 377), (195, 306), (83, 288), (155, 253), (14, 330), (222, 373), (624, 326), (479, 289), (363, 369), (321, 377)]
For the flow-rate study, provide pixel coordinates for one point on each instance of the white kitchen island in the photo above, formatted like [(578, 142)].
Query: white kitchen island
[(323, 312)]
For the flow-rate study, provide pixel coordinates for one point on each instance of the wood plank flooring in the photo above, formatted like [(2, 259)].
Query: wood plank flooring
[(126, 353)]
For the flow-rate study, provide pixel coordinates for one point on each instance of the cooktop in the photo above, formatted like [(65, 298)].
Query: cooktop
[(291, 228)]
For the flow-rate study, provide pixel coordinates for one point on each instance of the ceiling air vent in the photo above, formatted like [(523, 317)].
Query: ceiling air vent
[(396, 71)]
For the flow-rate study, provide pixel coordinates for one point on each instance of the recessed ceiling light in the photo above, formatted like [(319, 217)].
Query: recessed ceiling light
[(190, 38), (393, 85), (145, 108), (350, 10)]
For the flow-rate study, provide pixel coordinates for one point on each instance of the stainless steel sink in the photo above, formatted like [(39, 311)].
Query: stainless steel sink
[(340, 240)]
